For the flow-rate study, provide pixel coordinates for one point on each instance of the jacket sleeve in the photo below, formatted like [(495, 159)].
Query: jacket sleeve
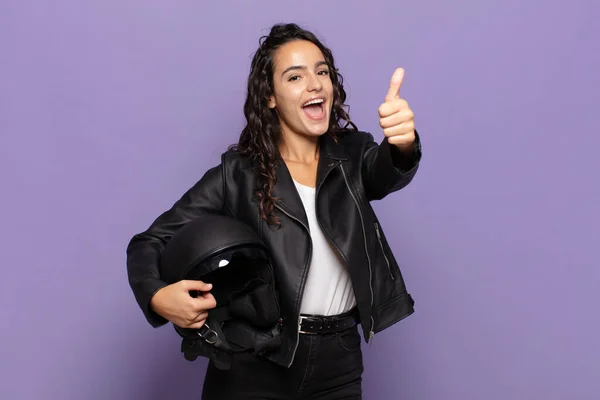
[(145, 248), (386, 169)]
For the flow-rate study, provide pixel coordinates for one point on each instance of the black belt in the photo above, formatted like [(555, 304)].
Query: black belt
[(321, 325)]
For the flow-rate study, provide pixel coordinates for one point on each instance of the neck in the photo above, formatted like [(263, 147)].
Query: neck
[(299, 148)]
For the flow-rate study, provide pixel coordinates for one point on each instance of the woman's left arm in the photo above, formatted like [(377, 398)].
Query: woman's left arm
[(390, 166)]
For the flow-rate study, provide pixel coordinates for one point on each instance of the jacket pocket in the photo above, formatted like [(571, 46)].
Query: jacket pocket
[(383, 251)]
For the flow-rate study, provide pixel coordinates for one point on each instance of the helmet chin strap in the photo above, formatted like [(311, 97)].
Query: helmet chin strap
[(210, 341), (208, 334), (206, 342)]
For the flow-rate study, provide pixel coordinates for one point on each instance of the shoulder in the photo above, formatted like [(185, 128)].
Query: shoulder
[(232, 160), (355, 143), (236, 170), (350, 138)]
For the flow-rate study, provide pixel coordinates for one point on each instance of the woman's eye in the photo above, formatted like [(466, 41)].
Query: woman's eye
[(293, 78), (324, 72)]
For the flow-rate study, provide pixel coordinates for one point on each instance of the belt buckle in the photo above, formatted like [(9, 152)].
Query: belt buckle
[(302, 318)]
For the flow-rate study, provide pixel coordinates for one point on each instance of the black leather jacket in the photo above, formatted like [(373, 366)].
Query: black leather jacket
[(350, 174)]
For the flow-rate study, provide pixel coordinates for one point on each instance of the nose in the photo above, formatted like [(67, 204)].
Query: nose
[(314, 83)]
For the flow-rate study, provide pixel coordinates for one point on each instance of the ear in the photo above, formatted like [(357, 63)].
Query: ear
[(272, 102)]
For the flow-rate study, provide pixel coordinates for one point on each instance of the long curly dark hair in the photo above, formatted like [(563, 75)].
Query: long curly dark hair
[(260, 138)]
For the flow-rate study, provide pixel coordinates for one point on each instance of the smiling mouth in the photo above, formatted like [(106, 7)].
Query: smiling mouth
[(314, 109)]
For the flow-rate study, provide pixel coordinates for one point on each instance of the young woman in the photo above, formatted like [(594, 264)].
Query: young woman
[(302, 176)]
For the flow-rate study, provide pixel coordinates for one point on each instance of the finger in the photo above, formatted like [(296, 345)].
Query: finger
[(208, 296), (196, 285), (197, 325), (209, 301), (201, 317), (193, 317), (391, 107), (403, 129), (395, 84), (402, 140), (396, 118), (206, 302)]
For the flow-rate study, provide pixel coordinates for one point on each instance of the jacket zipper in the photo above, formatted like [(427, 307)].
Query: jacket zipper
[(383, 250), (310, 249), (362, 223), (306, 266)]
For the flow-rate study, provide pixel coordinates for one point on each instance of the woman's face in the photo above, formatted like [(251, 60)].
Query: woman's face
[(303, 92)]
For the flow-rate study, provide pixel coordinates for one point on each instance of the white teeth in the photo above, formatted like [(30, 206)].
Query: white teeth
[(315, 101)]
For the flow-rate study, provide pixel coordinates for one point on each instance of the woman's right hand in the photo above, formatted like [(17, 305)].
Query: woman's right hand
[(174, 303)]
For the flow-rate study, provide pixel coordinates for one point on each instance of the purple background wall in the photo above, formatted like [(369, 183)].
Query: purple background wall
[(109, 110)]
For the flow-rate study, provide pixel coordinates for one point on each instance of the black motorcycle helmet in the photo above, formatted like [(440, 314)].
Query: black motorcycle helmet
[(228, 254)]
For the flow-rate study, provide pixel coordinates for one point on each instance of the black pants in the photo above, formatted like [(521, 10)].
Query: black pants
[(326, 367)]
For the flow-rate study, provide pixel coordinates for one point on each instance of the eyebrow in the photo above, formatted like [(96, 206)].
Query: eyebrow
[(294, 67)]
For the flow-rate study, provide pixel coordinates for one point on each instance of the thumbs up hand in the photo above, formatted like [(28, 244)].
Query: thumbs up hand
[(395, 116)]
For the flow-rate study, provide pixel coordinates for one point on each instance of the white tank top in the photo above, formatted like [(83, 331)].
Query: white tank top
[(328, 289)]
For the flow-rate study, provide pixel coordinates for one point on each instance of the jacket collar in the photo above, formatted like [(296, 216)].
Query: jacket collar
[(332, 149), (330, 153)]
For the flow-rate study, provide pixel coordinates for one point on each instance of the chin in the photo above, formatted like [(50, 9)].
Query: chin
[(316, 131), (313, 128)]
